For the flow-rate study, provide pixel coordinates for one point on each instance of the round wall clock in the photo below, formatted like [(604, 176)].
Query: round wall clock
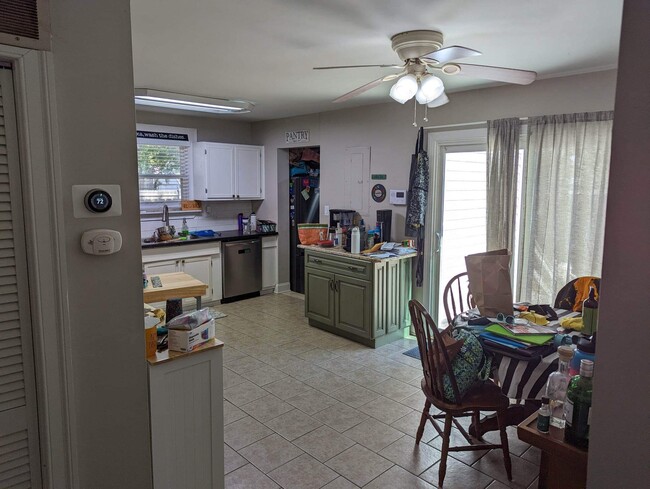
[(378, 193)]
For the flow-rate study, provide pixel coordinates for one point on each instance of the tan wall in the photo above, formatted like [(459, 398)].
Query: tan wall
[(94, 113), (387, 129), (620, 420), (209, 128)]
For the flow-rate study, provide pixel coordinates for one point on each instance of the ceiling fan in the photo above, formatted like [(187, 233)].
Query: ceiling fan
[(423, 55)]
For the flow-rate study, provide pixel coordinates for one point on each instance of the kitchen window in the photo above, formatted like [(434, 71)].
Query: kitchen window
[(164, 165)]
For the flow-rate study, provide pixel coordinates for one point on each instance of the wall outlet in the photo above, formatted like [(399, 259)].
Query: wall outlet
[(326, 210)]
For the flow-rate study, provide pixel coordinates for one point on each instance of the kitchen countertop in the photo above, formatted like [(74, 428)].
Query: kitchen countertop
[(233, 235), (347, 254), (169, 355)]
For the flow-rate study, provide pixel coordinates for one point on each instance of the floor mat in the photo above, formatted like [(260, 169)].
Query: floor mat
[(218, 314), (413, 352)]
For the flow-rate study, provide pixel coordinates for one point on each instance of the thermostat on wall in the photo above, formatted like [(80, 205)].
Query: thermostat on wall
[(398, 197)]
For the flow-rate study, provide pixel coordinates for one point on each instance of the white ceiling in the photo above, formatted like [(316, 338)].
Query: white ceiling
[(264, 50)]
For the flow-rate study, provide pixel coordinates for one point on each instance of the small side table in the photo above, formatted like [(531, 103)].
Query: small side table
[(563, 465)]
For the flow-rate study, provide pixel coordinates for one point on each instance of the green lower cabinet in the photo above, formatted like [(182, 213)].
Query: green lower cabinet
[(361, 300), (319, 296), (352, 305)]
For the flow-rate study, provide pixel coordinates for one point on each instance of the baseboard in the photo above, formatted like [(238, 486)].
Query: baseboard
[(283, 287)]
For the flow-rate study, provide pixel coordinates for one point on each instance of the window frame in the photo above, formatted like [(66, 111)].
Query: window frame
[(175, 205)]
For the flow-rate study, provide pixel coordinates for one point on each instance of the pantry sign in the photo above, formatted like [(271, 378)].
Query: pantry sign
[(296, 136)]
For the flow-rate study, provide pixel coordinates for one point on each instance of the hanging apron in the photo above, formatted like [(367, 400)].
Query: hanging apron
[(417, 196)]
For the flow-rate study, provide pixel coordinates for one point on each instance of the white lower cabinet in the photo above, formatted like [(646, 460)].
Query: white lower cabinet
[(269, 263), (201, 261), (186, 404)]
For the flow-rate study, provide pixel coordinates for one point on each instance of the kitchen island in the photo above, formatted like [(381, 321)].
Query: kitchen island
[(356, 296)]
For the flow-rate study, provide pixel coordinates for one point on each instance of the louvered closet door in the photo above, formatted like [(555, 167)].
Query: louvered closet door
[(19, 453)]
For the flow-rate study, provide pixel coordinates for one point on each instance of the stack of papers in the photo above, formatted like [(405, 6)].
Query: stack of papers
[(533, 339)]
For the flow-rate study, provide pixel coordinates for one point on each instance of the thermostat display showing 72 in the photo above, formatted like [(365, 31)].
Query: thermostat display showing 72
[(98, 200)]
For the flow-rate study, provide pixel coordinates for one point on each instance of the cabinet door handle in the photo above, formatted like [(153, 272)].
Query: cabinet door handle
[(336, 285), (354, 269), (237, 195), (316, 260), (331, 283)]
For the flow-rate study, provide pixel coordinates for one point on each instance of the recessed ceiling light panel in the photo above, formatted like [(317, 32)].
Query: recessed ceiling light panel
[(179, 101)]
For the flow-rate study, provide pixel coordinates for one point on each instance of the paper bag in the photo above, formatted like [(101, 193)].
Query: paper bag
[(489, 282)]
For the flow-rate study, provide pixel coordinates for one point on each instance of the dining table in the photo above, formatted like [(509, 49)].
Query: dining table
[(522, 378)]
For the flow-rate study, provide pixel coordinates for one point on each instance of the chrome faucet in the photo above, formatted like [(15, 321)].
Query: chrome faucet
[(165, 215)]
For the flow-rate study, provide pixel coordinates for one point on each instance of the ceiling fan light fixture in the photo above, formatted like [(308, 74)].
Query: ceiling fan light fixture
[(442, 99), (430, 89), (404, 89), (193, 103)]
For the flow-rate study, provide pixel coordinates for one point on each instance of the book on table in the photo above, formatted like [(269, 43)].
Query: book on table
[(523, 327), (533, 339)]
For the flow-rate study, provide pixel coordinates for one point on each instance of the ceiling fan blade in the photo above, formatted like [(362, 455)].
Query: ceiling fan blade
[(356, 66), (451, 53), (496, 73), (366, 87)]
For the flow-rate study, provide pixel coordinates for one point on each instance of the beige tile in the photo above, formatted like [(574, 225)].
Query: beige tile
[(318, 355), (323, 443), (263, 376), (270, 453), (303, 472), (409, 425), (497, 485), (340, 417), (340, 365), (359, 465), (312, 402), (416, 401), (366, 377), (247, 477), (266, 408), (515, 445), (231, 413), (414, 458), (373, 434), (456, 439), (385, 410), (243, 393), (231, 379), (296, 347), (293, 424), (244, 364), (395, 389), (327, 382), (341, 483), (398, 477), (400, 371), (533, 455), (243, 432), (354, 395), (457, 476), (231, 459), (287, 388), (303, 370), (278, 359), (523, 473)]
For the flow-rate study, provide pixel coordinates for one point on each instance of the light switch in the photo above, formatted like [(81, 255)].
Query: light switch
[(326, 210)]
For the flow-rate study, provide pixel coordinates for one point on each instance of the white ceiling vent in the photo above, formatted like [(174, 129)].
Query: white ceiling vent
[(25, 23)]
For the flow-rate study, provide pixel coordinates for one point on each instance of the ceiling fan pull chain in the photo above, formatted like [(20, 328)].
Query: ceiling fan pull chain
[(415, 113), (426, 112)]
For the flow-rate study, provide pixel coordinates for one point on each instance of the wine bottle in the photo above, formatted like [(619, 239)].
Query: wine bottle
[(590, 312), (578, 406)]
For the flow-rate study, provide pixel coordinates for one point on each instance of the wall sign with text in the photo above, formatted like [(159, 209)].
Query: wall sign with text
[(296, 136)]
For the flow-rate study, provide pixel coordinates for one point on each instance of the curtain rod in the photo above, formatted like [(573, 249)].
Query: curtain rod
[(467, 125)]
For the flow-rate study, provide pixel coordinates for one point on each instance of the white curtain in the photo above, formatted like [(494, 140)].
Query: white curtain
[(502, 161), (566, 179)]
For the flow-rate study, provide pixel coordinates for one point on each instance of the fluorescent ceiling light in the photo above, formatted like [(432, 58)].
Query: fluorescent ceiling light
[(179, 101), (404, 89)]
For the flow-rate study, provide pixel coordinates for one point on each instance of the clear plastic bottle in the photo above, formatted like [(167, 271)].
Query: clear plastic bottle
[(543, 416), (557, 384)]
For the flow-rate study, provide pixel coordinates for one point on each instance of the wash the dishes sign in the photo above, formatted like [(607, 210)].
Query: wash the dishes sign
[(169, 136), (296, 136)]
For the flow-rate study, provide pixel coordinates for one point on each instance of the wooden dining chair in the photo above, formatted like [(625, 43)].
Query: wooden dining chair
[(456, 297), (483, 396)]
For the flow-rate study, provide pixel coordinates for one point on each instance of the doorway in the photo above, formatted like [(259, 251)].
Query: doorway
[(457, 209)]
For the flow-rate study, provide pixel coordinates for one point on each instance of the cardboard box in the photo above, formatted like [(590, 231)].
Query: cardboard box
[(181, 340)]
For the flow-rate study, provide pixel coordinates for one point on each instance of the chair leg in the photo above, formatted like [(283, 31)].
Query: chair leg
[(442, 470), (423, 422), (501, 420), (476, 419)]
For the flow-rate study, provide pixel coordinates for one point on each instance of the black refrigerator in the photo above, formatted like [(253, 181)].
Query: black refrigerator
[(304, 207)]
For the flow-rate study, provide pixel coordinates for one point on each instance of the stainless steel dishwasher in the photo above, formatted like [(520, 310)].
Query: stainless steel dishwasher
[(242, 267)]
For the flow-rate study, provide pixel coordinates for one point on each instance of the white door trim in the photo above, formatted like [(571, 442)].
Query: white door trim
[(43, 209)]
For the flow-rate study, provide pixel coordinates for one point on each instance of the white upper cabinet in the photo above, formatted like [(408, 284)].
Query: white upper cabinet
[(228, 172)]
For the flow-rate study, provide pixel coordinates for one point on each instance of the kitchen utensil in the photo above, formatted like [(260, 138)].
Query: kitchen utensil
[(165, 233)]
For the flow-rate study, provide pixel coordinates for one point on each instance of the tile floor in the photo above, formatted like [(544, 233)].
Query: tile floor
[(308, 409)]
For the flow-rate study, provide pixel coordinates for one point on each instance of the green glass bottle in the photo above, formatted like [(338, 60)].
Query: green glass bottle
[(578, 406)]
